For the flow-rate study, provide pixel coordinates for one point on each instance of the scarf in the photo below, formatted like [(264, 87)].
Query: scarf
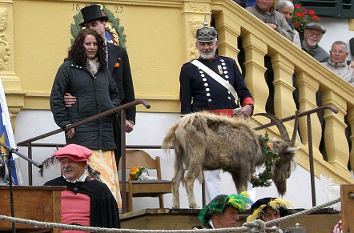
[(92, 65)]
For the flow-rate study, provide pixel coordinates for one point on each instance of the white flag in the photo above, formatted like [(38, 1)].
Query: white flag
[(7, 137)]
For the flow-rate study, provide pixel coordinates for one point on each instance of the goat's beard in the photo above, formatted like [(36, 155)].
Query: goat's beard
[(282, 170)]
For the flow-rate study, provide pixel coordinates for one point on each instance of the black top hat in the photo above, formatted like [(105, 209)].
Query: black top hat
[(92, 12)]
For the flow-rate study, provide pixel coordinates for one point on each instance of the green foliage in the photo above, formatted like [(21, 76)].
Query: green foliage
[(263, 179), (115, 24), (302, 16), (75, 27)]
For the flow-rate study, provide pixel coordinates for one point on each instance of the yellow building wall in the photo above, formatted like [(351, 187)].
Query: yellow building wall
[(160, 38), (154, 42)]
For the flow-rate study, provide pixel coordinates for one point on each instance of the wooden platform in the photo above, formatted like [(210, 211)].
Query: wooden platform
[(179, 219)]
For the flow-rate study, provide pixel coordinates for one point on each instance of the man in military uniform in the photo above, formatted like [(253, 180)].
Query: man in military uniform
[(200, 90)]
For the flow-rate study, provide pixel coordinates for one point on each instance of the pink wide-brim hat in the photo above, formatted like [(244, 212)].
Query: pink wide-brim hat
[(74, 152)]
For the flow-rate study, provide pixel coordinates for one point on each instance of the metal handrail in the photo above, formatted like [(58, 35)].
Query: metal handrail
[(309, 133), (30, 144), (86, 120), (120, 108)]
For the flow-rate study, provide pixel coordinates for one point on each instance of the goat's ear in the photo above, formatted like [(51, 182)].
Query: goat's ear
[(292, 149)]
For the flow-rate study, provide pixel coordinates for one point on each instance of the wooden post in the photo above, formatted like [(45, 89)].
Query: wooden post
[(31, 202), (347, 200)]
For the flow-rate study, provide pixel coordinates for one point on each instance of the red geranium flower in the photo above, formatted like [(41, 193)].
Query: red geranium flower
[(302, 16), (299, 14), (311, 12), (315, 18)]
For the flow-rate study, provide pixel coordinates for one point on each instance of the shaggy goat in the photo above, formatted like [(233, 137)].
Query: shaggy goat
[(206, 141)]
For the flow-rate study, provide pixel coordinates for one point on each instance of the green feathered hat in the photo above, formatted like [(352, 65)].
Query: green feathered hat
[(221, 202), (258, 207)]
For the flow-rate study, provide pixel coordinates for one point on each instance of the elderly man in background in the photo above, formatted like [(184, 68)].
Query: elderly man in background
[(312, 36), (286, 7), (264, 11), (223, 211), (87, 201), (338, 61)]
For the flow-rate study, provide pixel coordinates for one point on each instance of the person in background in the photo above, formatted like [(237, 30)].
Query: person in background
[(313, 34), (200, 92), (264, 10), (87, 201), (338, 61), (246, 3), (118, 67), (3, 178), (338, 228), (267, 209), (223, 211), (84, 74), (286, 7)]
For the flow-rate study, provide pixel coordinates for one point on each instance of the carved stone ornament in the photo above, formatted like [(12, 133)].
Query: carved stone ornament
[(4, 43), (4, 53), (197, 7), (3, 19), (193, 25)]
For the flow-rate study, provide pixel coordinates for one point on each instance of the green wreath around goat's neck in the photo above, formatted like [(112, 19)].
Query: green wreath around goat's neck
[(263, 179)]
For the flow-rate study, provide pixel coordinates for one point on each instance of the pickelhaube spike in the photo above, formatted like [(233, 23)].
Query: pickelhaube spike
[(205, 24)]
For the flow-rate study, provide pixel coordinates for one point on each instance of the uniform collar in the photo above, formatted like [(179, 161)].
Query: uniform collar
[(208, 60)]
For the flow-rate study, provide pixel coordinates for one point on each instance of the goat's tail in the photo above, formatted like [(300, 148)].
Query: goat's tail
[(170, 138)]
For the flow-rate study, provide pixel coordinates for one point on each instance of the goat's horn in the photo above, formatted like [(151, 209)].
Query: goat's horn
[(296, 125), (282, 130)]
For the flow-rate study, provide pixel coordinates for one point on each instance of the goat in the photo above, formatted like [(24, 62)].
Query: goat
[(204, 140)]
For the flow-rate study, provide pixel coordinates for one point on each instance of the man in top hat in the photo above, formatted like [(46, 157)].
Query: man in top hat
[(118, 66), (312, 36), (223, 211), (87, 201), (199, 91), (267, 209)]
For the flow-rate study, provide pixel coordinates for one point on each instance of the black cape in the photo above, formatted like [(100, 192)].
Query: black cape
[(103, 206)]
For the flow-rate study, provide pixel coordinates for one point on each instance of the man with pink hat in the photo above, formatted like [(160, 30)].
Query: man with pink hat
[(87, 201)]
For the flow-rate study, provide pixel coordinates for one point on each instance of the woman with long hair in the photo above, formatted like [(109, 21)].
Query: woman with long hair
[(84, 74)]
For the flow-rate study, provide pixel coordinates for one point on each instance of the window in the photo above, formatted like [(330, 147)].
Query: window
[(330, 8)]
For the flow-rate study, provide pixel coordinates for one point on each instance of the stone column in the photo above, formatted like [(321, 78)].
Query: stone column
[(255, 50), (307, 100), (194, 15), (12, 84), (228, 35), (335, 141)]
